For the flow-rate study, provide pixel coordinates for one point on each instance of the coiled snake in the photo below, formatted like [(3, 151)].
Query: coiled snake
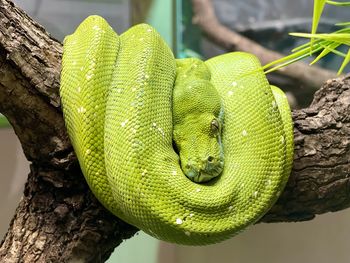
[(131, 109)]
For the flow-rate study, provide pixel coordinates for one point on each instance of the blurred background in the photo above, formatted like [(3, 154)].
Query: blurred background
[(322, 240)]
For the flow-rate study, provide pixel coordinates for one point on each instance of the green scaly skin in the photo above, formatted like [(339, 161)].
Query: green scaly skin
[(117, 97), (197, 117)]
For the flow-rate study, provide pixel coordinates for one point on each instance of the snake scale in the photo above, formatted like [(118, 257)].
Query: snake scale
[(118, 95)]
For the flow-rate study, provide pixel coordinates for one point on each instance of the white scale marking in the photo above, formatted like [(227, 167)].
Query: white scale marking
[(283, 139), (161, 131), (179, 221), (244, 133), (124, 123), (230, 93), (81, 109)]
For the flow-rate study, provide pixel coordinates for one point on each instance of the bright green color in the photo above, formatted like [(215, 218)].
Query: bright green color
[(197, 121), (117, 96)]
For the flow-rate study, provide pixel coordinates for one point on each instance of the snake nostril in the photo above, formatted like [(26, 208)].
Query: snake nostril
[(210, 159)]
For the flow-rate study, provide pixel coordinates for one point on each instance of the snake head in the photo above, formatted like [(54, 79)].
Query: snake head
[(198, 141), (197, 121), (197, 115)]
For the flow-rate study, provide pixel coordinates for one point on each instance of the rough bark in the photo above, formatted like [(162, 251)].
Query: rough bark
[(58, 219), (320, 179)]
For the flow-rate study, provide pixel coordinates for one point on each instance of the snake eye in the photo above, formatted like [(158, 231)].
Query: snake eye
[(215, 126)]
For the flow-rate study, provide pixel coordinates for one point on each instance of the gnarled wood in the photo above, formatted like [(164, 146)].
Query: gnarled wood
[(320, 179)]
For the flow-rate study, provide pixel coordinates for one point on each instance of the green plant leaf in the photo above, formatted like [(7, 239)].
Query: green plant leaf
[(285, 63), (336, 3), (318, 9), (343, 24), (343, 38), (295, 56), (326, 50), (345, 62), (326, 43)]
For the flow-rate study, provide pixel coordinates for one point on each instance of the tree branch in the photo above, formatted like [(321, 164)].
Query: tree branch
[(204, 16), (58, 219), (320, 181)]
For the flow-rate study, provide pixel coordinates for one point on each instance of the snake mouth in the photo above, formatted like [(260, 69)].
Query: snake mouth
[(204, 170)]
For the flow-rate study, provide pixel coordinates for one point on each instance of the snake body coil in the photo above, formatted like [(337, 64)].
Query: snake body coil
[(117, 97)]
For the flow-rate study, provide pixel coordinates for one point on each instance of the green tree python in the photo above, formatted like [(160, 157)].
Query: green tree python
[(191, 152)]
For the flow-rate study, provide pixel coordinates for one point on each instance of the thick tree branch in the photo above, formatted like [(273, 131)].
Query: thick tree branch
[(30, 66), (320, 180), (58, 220), (204, 16)]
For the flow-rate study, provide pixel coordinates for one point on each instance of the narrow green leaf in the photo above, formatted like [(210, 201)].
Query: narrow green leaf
[(296, 56), (343, 24), (286, 63), (326, 50), (325, 43), (338, 3), (318, 9), (343, 38), (306, 45), (343, 30), (289, 57), (345, 62)]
